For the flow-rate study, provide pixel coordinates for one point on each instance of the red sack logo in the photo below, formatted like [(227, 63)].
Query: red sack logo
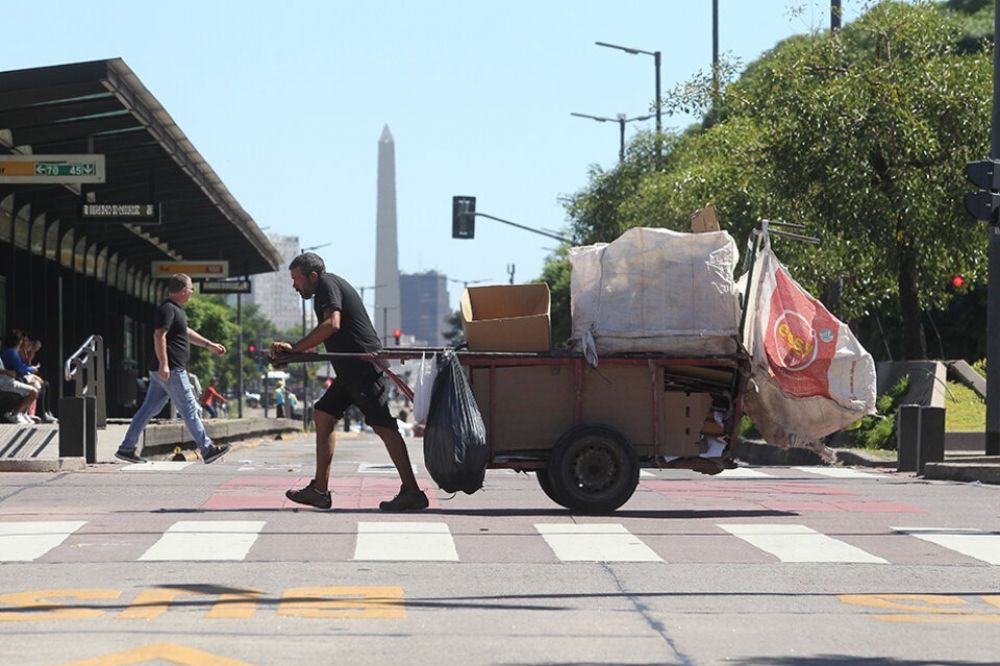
[(800, 341)]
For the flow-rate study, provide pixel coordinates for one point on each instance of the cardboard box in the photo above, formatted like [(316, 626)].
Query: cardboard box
[(511, 318), (704, 220)]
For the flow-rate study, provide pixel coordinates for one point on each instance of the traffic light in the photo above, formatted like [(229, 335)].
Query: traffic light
[(463, 217), (398, 334), (251, 349), (955, 283), (984, 174)]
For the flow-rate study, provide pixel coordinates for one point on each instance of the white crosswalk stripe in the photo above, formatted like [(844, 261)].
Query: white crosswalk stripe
[(742, 473), (839, 472), (27, 541), (195, 540), (399, 541), (596, 542), (798, 543), (977, 544), (157, 466), (405, 541)]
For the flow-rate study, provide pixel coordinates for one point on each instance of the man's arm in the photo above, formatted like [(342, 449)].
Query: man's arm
[(323, 330), (160, 349), (201, 341)]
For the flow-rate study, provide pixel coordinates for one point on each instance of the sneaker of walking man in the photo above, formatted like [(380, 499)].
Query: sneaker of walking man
[(344, 327), (168, 378)]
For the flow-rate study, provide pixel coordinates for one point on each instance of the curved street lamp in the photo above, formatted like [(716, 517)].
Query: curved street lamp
[(621, 120)]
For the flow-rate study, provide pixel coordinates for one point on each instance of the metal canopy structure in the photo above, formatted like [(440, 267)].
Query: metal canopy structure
[(102, 107)]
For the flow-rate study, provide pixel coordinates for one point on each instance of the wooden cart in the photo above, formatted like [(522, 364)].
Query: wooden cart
[(586, 431)]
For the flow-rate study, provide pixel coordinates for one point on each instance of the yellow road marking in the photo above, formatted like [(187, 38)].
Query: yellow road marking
[(47, 609), (924, 608), (171, 652), (329, 602), (154, 602)]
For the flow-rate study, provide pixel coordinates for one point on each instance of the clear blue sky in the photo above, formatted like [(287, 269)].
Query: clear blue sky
[(287, 100)]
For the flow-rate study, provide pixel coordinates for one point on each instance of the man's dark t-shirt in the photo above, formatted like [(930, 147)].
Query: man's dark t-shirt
[(171, 317), (356, 332)]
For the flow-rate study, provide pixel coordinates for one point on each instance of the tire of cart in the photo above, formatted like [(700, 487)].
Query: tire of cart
[(592, 469)]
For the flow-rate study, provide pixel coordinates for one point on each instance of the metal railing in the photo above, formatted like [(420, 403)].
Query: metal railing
[(85, 367)]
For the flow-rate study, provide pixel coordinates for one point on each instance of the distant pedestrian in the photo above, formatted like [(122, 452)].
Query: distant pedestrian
[(344, 326), (279, 399), (172, 341), (210, 397)]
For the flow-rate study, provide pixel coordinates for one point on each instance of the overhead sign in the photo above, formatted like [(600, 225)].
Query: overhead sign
[(51, 169), (193, 269), (225, 287), (132, 213)]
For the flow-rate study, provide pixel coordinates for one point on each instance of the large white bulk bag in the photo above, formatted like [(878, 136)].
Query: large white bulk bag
[(656, 290)]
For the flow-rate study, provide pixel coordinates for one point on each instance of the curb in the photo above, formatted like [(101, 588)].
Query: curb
[(43, 465)]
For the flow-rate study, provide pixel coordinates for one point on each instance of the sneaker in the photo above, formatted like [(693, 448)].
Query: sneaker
[(129, 456), (48, 418), (24, 419), (214, 452), (406, 500), (309, 495), (9, 418)]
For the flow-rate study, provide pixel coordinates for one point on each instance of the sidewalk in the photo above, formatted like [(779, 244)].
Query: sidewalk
[(964, 466), (36, 448)]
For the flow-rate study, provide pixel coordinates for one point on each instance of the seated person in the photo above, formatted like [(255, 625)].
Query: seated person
[(15, 344), (25, 395)]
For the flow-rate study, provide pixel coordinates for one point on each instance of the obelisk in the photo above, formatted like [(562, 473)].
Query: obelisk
[(387, 314)]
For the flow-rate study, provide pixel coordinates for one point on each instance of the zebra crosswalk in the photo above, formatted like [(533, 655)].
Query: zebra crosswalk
[(434, 541)]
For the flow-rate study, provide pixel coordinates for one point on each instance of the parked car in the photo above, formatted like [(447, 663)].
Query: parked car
[(253, 399)]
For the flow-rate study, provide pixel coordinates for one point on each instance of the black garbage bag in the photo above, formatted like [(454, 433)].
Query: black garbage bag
[(455, 448)]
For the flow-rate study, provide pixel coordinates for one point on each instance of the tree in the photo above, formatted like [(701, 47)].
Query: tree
[(862, 135)]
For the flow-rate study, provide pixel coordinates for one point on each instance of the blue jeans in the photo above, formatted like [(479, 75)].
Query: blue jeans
[(177, 390)]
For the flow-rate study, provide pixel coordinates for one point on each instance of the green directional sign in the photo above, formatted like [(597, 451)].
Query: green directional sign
[(51, 169)]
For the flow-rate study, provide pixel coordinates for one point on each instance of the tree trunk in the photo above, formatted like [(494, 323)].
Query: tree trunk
[(914, 342)]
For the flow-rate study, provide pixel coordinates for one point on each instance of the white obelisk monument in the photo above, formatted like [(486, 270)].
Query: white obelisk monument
[(387, 314)]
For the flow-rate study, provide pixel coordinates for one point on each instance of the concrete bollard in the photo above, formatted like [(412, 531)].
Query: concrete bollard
[(931, 447), (78, 428)]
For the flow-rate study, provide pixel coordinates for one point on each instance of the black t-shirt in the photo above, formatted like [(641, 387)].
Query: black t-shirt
[(356, 332), (171, 317)]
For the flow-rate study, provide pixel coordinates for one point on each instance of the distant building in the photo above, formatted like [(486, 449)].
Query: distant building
[(424, 304), (273, 293)]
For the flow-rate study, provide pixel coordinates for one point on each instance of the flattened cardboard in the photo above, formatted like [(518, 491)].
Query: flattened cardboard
[(706, 219)]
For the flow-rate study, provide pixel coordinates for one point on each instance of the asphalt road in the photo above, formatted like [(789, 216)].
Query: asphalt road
[(211, 566)]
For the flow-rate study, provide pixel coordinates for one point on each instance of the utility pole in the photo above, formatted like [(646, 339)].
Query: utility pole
[(993, 286)]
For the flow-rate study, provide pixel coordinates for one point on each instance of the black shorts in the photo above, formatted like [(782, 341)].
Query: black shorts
[(369, 393)]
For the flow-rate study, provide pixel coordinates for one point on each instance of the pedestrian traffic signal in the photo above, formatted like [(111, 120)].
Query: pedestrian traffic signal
[(463, 217), (398, 334), (251, 349), (984, 205)]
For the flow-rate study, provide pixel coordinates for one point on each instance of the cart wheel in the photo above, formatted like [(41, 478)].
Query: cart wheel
[(545, 481), (593, 469)]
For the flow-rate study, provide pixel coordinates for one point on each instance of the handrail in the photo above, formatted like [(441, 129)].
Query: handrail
[(78, 356)]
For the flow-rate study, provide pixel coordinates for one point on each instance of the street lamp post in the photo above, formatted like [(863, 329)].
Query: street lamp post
[(621, 120), (659, 102), (305, 366)]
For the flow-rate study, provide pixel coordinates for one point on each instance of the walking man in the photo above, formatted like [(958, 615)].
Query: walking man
[(344, 326), (172, 341)]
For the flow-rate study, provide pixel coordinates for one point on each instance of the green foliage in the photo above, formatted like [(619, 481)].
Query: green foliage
[(556, 274), (876, 431), (980, 366), (455, 332), (862, 135)]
